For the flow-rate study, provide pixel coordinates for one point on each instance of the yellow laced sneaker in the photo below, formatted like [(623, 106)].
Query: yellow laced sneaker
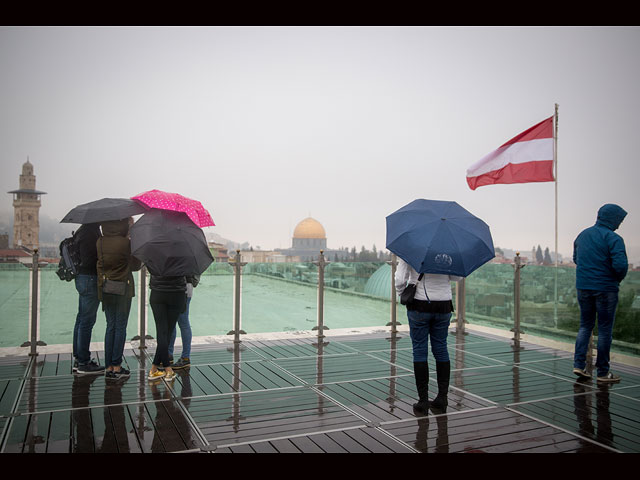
[(157, 374)]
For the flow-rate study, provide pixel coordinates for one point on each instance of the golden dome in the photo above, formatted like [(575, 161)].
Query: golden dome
[(309, 228)]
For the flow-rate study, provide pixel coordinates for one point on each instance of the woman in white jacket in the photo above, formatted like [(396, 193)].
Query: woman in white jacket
[(429, 316)]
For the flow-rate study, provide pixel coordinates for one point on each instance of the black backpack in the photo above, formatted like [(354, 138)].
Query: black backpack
[(69, 258)]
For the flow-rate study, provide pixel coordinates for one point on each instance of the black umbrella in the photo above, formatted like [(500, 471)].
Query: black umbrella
[(170, 244), (104, 210)]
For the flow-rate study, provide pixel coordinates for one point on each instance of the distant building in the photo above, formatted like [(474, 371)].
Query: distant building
[(309, 237), (266, 256), (501, 259), (219, 252), (26, 205), (14, 256)]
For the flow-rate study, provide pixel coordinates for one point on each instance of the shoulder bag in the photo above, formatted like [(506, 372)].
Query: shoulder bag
[(409, 292)]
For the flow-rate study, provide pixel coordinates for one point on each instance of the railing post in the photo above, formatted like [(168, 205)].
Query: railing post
[(460, 306), (33, 341), (394, 296), (142, 313), (34, 304), (143, 307), (237, 264), (320, 327), (516, 300)]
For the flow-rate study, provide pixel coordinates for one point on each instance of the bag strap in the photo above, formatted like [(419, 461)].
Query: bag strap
[(104, 275), (424, 287)]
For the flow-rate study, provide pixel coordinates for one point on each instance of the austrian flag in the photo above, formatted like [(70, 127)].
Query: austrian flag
[(527, 157)]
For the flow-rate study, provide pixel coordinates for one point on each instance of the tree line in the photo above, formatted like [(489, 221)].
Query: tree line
[(541, 258), (347, 254)]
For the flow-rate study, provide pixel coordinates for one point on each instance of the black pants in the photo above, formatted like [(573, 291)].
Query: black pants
[(166, 307)]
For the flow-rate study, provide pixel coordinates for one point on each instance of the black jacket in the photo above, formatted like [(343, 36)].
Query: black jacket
[(168, 284), (86, 237)]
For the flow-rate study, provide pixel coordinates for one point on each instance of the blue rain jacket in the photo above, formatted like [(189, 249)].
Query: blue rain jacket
[(600, 254)]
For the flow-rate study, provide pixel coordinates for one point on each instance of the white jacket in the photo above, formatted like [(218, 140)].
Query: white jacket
[(438, 287)]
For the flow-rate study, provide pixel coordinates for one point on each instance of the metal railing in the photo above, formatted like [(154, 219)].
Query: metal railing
[(237, 265)]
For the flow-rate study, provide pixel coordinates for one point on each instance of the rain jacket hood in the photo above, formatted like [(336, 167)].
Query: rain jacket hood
[(611, 216), (116, 228)]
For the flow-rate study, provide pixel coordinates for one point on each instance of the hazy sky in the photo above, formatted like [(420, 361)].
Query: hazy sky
[(268, 125)]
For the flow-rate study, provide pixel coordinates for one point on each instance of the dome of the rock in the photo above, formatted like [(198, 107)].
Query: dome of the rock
[(309, 228)]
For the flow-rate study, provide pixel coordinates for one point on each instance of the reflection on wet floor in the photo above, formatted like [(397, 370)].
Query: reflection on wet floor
[(350, 394)]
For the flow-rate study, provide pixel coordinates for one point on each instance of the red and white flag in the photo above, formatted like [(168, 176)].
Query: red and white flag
[(527, 157)]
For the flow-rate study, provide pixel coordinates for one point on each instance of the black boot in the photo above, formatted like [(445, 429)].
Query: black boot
[(443, 373), (421, 372)]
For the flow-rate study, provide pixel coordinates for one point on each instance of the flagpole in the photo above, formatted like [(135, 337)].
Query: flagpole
[(555, 163)]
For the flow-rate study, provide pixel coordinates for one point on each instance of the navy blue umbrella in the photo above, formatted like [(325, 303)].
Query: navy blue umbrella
[(435, 236)]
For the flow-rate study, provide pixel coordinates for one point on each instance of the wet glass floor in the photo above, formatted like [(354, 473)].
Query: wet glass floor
[(347, 394)]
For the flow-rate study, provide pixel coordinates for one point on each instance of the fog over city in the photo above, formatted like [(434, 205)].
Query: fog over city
[(269, 125)]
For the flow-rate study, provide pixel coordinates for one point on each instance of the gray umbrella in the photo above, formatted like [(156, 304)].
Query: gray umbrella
[(170, 244), (104, 210)]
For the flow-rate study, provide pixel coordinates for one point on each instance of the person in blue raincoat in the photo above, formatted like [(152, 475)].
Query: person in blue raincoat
[(601, 259)]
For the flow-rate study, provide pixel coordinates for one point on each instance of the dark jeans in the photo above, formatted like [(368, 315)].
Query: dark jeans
[(166, 307), (423, 326), (116, 309), (88, 303), (603, 305), (185, 333)]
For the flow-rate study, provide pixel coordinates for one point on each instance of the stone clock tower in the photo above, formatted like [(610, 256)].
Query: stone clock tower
[(26, 205)]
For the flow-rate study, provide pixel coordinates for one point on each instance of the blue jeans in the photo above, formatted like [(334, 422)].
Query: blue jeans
[(88, 303), (423, 326), (116, 309), (185, 333), (602, 304)]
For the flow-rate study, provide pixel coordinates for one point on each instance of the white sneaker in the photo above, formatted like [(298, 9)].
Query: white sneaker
[(609, 378)]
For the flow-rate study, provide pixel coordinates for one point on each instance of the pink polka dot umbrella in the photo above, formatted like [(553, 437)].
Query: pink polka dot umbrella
[(176, 203)]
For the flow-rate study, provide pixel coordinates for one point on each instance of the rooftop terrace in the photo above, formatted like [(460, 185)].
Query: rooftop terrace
[(349, 393), (263, 380)]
